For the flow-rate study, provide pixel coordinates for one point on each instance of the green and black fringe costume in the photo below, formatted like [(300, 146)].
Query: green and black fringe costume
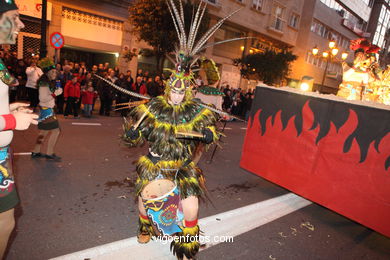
[(162, 121), (159, 129)]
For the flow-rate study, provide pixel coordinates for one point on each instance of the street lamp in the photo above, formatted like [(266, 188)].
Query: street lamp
[(328, 55)]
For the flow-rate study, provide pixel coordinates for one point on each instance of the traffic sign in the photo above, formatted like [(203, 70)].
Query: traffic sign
[(57, 40)]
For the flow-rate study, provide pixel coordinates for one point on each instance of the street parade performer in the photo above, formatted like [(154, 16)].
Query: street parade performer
[(169, 184), (12, 116), (48, 124)]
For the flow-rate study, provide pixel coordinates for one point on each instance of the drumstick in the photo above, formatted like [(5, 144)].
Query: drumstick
[(128, 105), (190, 133), (116, 109), (140, 120), (132, 103)]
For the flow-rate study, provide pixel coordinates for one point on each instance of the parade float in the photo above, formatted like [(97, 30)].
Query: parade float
[(332, 150)]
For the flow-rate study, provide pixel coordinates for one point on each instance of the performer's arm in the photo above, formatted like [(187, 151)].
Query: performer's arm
[(137, 134), (19, 120), (210, 135), (7, 122)]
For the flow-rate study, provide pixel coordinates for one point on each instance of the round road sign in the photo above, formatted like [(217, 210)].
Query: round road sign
[(57, 40)]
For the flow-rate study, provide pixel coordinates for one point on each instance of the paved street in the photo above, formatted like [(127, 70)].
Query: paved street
[(87, 200)]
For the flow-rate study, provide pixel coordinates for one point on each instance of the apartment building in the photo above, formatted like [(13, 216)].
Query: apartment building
[(270, 24), (300, 25), (322, 21)]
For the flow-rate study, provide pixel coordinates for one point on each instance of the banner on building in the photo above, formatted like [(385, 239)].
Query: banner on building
[(33, 8)]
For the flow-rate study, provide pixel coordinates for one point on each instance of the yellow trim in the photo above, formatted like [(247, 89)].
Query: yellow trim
[(188, 126), (4, 171)]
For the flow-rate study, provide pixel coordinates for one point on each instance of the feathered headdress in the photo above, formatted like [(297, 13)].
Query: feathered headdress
[(187, 53), (46, 64)]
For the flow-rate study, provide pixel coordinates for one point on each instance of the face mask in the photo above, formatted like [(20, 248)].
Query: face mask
[(10, 25)]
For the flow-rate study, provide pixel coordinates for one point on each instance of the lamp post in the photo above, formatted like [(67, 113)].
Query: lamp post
[(328, 55), (43, 47)]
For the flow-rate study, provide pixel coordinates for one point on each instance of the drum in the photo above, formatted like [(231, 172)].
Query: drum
[(161, 199)]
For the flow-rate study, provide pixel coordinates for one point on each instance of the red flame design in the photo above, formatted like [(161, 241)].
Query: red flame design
[(322, 172)]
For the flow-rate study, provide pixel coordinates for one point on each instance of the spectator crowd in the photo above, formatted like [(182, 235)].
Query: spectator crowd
[(81, 89)]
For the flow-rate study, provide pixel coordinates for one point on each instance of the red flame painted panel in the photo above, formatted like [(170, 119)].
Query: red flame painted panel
[(334, 153)]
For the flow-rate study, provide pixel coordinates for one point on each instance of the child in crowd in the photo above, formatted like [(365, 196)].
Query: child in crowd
[(87, 98), (72, 96)]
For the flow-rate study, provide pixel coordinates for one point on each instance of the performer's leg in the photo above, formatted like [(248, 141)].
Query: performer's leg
[(144, 226), (68, 108), (102, 105), (7, 224), (75, 107), (186, 246), (41, 138), (198, 153), (52, 140), (190, 208)]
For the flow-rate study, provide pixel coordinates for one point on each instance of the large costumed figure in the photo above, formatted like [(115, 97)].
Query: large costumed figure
[(169, 183), (356, 78), (365, 79), (12, 116)]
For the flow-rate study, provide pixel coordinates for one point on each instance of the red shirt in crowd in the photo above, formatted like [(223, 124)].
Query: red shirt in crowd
[(141, 89), (87, 97), (72, 90)]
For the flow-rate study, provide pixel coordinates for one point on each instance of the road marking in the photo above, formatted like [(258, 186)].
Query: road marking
[(228, 128), (230, 223), (243, 128), (28, 153), (95, 124)]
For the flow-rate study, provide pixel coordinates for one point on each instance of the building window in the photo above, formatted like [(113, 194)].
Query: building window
[(277, 18), (320, 29), (382, 27), (257, 4), (214, 2), (294, 20)]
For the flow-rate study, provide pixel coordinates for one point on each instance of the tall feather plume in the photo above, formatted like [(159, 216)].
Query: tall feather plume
[(210, 32), (179, 21), (193, 25), (181, 12), (224, 41), (198, 20), (186, 46), (176, 27)]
